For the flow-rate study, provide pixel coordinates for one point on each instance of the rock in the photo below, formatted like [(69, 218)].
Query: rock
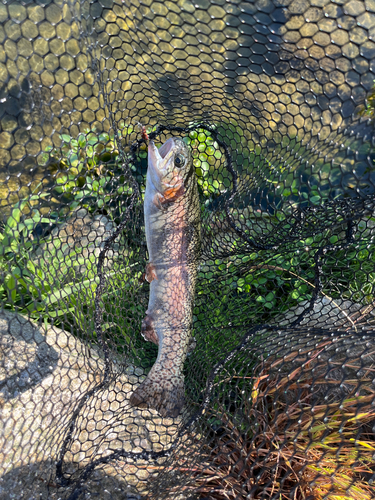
[(45, 374), (328, 313), (80, 237), (82, 231)]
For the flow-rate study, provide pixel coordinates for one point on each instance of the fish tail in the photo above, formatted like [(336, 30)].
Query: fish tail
[(163, 393)]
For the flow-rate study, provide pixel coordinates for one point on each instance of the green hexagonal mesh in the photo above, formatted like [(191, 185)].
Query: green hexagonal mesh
[(264, 263)]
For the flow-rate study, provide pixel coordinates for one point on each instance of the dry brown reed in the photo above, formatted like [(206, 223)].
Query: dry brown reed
[(295, 445)]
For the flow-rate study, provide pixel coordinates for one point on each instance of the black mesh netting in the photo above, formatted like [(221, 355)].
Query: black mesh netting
[(264, 386)]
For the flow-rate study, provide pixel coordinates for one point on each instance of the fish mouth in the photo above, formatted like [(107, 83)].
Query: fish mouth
[(158, 158), (166, 148)]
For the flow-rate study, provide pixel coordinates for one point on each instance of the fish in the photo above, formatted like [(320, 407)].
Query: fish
[(173, 236)]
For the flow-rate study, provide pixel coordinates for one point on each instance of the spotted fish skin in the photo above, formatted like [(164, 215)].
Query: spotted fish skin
[(173, 234)]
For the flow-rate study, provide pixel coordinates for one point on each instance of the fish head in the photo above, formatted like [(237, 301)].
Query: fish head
[(169, 167)]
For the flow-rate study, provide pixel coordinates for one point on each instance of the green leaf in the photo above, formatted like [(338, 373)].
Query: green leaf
[(73, 160), (11, 286), (82, 140), (104, 137), (62, 179), (60, 312), (69, 290), (38, 196), (15, 215), (316, 199), (30, 266), (295, 294)]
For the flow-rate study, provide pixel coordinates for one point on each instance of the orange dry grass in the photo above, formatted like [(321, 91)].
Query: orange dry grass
[(298, 451)]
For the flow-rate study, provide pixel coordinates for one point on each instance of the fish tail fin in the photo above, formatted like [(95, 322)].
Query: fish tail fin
[(164, 394)]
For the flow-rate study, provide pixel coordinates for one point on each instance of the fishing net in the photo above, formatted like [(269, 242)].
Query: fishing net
[(274, 100)]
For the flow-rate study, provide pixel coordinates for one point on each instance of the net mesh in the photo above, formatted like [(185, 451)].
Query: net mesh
[(274, 100)]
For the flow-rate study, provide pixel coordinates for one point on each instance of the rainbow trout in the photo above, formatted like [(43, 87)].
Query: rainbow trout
[(173, 233)]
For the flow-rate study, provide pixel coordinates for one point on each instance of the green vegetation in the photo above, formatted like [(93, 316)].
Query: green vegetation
[(263, 286), (207, 159), (17, 244), (87, 171), (368, 109), (44, 277), (288, 174)]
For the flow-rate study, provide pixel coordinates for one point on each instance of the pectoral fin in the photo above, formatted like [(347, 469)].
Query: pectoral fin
[(169, 195), (173, 193)]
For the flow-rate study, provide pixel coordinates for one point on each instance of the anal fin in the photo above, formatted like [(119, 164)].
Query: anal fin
[(150, 272), (147, 330)]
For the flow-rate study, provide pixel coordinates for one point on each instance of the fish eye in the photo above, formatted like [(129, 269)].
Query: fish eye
[(179, 160)]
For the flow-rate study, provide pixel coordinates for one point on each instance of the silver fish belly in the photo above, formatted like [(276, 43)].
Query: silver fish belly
[(173, 233)]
